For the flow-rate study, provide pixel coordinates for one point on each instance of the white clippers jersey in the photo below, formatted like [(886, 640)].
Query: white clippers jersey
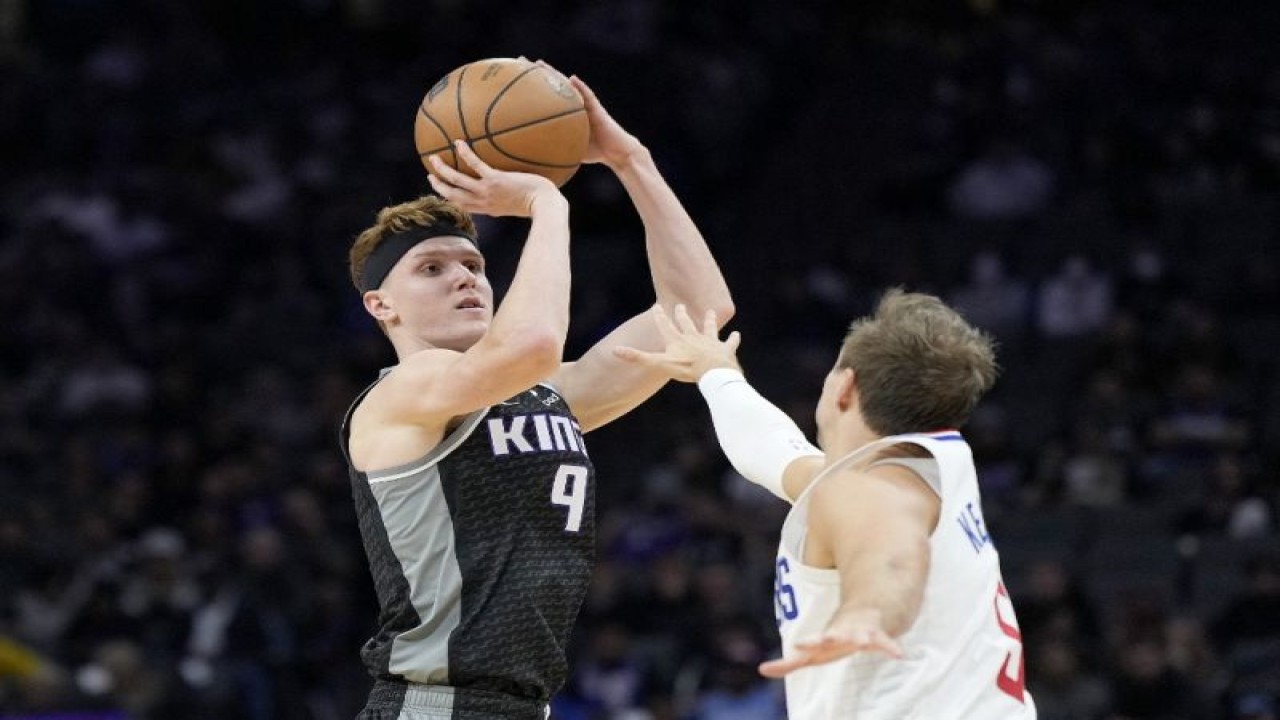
[(964, 651)]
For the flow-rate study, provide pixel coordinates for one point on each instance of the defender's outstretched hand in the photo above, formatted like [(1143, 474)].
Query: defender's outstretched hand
[(491, 192), (861, 632), (690, 352)]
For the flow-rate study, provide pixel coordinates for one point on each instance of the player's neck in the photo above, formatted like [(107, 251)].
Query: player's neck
[(851, 435), (407, 344)]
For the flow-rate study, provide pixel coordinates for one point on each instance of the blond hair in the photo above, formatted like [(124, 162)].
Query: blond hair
[(918, 364), (425, 212)]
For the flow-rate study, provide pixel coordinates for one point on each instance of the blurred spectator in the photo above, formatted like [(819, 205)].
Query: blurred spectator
[(104, 382), (1251, 619), (1093, 475), (159, 596), (733, 689), (1191, 651), (245, 642), (1110, 410), (720, 594), (99, 620), (1229, 504), (1199, 420), (992, 299), (610, 680), (662, 612), (1123, 357), (1055, 607), (1001, 471), (44, 607), (119, 678), (1063, 689), (1075, 301), (1148, 687), (1004, 183), (1192, 333), (1145, 286), (1259, 705)]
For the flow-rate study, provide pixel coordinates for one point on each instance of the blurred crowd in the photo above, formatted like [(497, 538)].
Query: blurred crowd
[(1094, 183)]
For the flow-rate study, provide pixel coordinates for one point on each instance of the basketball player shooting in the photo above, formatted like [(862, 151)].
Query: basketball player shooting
[(472, 483), (888, 592)]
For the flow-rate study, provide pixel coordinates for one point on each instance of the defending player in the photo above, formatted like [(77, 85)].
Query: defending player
[(472, 483), (889, 597)]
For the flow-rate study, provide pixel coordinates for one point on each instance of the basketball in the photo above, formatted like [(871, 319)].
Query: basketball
[(516, 115)]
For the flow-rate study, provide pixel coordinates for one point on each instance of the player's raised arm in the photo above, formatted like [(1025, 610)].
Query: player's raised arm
[(682, 267), (457, 354)]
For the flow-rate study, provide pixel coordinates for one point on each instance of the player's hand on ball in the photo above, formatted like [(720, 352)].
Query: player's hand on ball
[(844, 637), (690, 351), (491, 192), (609, 143)]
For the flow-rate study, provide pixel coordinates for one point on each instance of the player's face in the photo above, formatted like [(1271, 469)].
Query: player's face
[(440, 292)]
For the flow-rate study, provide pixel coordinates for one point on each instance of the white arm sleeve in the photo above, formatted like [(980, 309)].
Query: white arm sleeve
[(758, 438)]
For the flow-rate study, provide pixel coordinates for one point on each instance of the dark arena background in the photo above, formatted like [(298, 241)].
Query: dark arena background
[(1095, 183)]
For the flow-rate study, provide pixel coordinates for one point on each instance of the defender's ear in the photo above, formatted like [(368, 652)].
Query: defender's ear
[(846, 388)]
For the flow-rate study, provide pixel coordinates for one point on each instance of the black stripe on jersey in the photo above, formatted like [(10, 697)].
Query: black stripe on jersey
[(397, 613)]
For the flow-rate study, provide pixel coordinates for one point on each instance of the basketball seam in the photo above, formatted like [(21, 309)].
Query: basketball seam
[(423, 109), (488, 112), (462, 118), (490, 137)]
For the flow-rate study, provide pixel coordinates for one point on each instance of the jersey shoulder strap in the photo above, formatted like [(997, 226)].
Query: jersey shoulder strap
[(344, 430)]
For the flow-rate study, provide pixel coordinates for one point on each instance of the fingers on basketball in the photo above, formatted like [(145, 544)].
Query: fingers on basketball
[(588, 95), (453, 174), (445, 175), (471, 159)]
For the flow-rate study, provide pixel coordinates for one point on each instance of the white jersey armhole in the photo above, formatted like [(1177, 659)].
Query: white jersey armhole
[(795, 535), (927, 468)]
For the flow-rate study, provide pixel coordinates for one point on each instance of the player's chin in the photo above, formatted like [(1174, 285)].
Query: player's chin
[(475, 327), (462, 334)]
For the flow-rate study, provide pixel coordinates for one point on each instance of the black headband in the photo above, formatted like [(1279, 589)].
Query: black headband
[(390, 250)]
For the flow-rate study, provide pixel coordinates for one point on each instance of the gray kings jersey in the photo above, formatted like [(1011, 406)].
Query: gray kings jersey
[(481, 552)]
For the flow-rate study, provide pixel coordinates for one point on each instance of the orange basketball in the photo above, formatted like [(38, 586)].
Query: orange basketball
[(515, 114)]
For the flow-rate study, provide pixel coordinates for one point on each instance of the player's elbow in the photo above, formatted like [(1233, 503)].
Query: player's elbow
[(540, 349), (528, 351), (721, 305), (725, 310)]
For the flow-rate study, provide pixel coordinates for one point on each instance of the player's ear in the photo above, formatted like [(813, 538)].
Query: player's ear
[(378, 305), (846, 388)]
